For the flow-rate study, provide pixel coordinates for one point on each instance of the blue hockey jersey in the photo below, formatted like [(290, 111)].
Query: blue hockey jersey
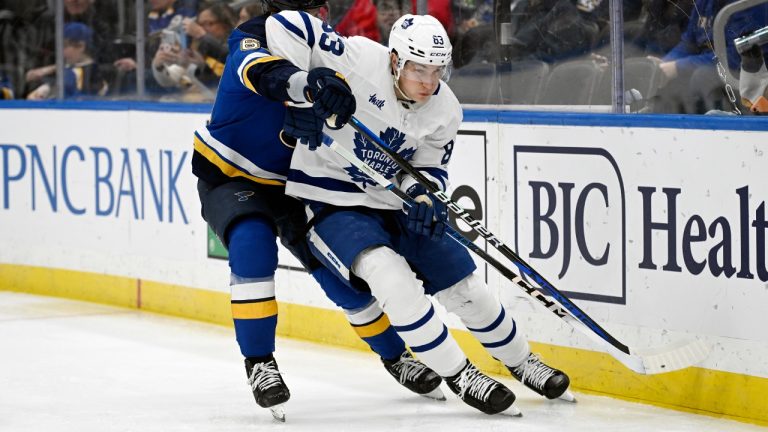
[(242, 138)]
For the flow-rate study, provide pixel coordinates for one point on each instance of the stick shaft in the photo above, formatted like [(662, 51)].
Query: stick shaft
[(489, 237)]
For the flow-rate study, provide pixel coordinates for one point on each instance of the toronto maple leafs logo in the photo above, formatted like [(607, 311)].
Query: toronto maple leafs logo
[(366, 151), (407, 23)]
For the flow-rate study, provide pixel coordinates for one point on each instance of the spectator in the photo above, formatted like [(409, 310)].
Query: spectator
[(440, 9), (27, 32), (387, 12), (469, 14), (247, 9), (196, 69), (81, 73), (553, 30), (474, 39), (753, 81), (163, 12), (6, 89), (162, 15), (690, 68), (359, 20), (662, 24), (101, 19), (209, 38)]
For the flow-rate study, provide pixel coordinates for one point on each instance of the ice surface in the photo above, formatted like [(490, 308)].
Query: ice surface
[(74, 366)]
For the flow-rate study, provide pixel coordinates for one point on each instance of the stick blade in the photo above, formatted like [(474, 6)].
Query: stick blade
[(678, 356)]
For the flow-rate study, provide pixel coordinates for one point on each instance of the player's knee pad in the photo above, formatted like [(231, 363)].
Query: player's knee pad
[(392, 282), (471, 300), (252, 248)]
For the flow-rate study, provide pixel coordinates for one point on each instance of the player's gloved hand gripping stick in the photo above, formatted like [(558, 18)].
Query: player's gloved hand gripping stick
[(647, 362), (427, 215), (332, 103)]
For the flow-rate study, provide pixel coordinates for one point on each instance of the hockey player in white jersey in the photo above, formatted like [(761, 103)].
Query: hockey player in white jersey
[(241, 161), (359, 228)]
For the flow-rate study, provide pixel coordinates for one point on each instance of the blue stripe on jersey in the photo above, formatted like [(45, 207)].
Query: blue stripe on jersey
[(432, 345), (492, 326), (505, 341), (308, 25), (331, 184), (439, 174), (420, 322), (289, 25)]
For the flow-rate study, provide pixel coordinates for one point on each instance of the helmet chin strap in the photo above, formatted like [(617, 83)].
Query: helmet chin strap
[(398, 91)]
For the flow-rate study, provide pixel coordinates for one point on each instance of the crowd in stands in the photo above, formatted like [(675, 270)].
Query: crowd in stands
[(186, 42)]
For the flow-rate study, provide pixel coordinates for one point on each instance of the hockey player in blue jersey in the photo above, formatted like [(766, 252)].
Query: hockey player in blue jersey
[(241, 160), (358, 229)]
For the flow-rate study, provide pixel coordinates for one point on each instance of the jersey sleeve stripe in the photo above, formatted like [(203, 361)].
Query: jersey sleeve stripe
[(227, 160), (244, 76), (308, 25), (246, 61), (289, 25)]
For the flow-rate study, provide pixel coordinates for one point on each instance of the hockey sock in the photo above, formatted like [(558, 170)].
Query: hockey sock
[(373, 327), (253, 260), (486, 319), (402, 297), (363, 313)]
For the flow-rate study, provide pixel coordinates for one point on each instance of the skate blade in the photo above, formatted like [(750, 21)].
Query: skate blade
[(567, 396), (512, 411), (435, 394), (278, 412)]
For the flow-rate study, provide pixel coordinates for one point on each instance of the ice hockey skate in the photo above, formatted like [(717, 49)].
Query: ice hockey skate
[(483, 392), (415, 376), (268, 386), (544, 380)]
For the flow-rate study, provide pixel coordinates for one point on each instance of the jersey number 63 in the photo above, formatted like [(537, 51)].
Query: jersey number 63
[(331, 41)]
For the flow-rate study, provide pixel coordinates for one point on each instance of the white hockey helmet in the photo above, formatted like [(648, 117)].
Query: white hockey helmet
[(420, 39)]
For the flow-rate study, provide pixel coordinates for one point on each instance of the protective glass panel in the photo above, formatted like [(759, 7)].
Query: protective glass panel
[(520, 54)]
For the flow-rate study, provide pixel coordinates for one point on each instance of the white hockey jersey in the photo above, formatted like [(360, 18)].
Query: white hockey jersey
[(424, 134)]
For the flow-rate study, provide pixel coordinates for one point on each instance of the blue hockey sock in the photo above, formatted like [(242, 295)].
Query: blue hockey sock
[(253, 261), (363, 313)]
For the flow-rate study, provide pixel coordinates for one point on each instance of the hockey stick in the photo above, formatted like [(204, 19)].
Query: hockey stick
[(650, 362)]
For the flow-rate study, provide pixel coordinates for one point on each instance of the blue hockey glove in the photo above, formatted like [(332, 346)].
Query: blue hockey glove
[(304, 125), (428, 215), (330, 96)]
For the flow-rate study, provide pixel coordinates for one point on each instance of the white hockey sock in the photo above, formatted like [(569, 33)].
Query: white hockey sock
[(486, 319), (401, 296)]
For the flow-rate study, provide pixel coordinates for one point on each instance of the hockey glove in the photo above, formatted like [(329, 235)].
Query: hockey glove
[(428, 215), (330, 96), (304, 125)]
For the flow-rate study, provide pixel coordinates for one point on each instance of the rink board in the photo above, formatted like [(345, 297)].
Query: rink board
[(654, 225)]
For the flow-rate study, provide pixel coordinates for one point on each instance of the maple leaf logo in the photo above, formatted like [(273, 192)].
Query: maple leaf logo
[(367, 151)]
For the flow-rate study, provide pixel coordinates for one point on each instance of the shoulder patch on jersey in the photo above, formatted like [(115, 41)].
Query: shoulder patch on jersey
[(249, 44)]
